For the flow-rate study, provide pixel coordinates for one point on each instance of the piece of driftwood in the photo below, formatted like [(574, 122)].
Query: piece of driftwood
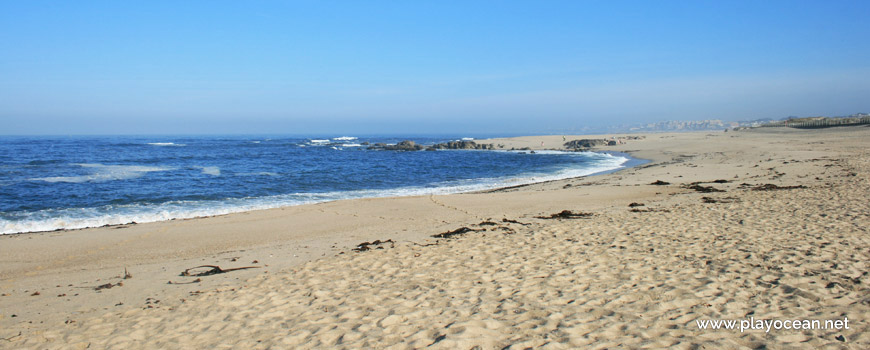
[(649, 210), (191, 282), (109, 286), (213, 270)]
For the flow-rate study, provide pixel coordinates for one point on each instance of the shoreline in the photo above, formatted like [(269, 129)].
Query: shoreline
[(436, 191), (302, 240)]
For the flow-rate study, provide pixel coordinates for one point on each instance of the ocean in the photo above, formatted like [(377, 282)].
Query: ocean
[(50, 183)]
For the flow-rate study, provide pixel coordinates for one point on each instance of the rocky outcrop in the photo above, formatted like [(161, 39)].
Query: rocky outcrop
[(408, 145), (585, 143), (461, 145)]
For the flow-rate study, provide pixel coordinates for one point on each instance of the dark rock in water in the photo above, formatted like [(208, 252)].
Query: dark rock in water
[(406, 145), (585, 143), (660, 183), (462, 145), (364, 143)]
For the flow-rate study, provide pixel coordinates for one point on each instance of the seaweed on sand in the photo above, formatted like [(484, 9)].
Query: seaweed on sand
[(456, 232), (212, 270), (566, 214)]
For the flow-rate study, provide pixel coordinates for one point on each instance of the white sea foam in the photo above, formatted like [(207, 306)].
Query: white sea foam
[(546, 152), (102, 173), (351, 145), (467, 139), (211, 170), (320, 141), (75, 218), (344, 138), (164, 144)]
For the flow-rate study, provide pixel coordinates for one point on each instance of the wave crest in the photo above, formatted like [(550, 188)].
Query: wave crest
[(167, 144), (102, 173)]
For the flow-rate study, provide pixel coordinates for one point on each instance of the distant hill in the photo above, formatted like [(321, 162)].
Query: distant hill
[(821, 122)]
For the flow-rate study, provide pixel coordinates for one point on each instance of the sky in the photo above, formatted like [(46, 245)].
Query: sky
[(369, 67)]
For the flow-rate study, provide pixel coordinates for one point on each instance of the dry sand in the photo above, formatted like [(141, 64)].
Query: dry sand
[(636, 277)]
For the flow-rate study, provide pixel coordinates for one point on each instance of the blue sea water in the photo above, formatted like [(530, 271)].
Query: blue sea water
[(49, 183)]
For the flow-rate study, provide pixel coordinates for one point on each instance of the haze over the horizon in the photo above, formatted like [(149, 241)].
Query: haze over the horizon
[(107, 67)]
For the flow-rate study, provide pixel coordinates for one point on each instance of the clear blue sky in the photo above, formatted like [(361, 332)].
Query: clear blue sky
[(108, 67)]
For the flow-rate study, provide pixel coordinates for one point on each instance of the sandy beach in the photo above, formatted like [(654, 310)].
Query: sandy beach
[(764, 224)]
